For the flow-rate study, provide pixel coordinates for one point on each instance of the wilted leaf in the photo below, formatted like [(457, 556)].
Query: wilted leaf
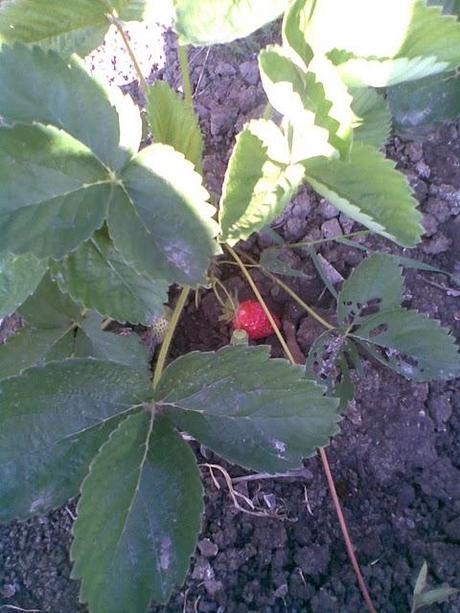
[(173, 122), (259, 413), (141, 503), (97, 277), (411, 344), (376, 284), (368, 189), (19, 277), (209, 22), (271, 261), (53, 419), (256, 188)]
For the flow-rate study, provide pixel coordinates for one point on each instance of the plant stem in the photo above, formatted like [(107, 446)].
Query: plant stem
[(294, 296), (325, 240), (183, 63), (159, 366), (324, 460), (117, 23), (344, 529), (262, 303)]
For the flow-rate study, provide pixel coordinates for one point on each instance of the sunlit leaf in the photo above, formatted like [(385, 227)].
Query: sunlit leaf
[(209, 22), (256, 412), (141, 503), (256, 188), (368, 189), (78, 26)]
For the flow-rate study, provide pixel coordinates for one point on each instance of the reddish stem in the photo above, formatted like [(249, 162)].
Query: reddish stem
[(345, 533)]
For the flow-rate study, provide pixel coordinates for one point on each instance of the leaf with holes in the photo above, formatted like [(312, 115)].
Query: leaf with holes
[(209, 22), (70, 165), (314, 100), (259, 413), (375, 285), (96, 276), (19, 277), (411, 344), (66, 27), (53, 420), (372, 125), (142, 504), (368, 189), (256, 188), (174, 122)]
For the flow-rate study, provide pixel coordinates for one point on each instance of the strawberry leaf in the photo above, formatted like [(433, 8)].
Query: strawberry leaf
[(19, 277)]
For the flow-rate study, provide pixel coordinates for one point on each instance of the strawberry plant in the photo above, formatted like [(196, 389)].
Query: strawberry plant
[(96, 227)]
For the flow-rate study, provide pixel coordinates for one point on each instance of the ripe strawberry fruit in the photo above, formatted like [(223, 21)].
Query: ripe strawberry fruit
[(250, 316)]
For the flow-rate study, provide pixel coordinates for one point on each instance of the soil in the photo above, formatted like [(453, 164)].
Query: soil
[(397, 460)]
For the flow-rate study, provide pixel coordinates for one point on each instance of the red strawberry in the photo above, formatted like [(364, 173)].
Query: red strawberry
[(250, 316)]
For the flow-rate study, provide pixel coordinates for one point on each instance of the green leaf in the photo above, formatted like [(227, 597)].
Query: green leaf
[(78, 27), (368, 189), (53, 419), (256, 412), (294, 26), (19, 277), (209, 22), (376, 283), (256, 188), (80, 170), (383, 43), (142, 504), (98, 278), (372, 125), (71, 101), (417, 107), (314, 100), (54, 193), (271, 261), (174, 122), (49, 308), (435, 596), (411, 344), (161, 221)]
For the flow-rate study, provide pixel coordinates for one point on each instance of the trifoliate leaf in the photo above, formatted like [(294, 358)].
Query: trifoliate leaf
[(259, 413), (411, 344), (368, 189), (256, 188), (209, 22), (19, 277), (375, 284), (53, 419), (372, 125), (69, 165), (97, 277), (142, 504), (173, 122), (67, 27)]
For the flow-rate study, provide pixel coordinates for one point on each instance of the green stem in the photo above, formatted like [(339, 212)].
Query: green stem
[(186, 85), (325, 240), (117, 23), (161, 361)]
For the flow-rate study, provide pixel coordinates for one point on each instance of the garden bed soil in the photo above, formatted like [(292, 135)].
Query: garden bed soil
[(396, 461)]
